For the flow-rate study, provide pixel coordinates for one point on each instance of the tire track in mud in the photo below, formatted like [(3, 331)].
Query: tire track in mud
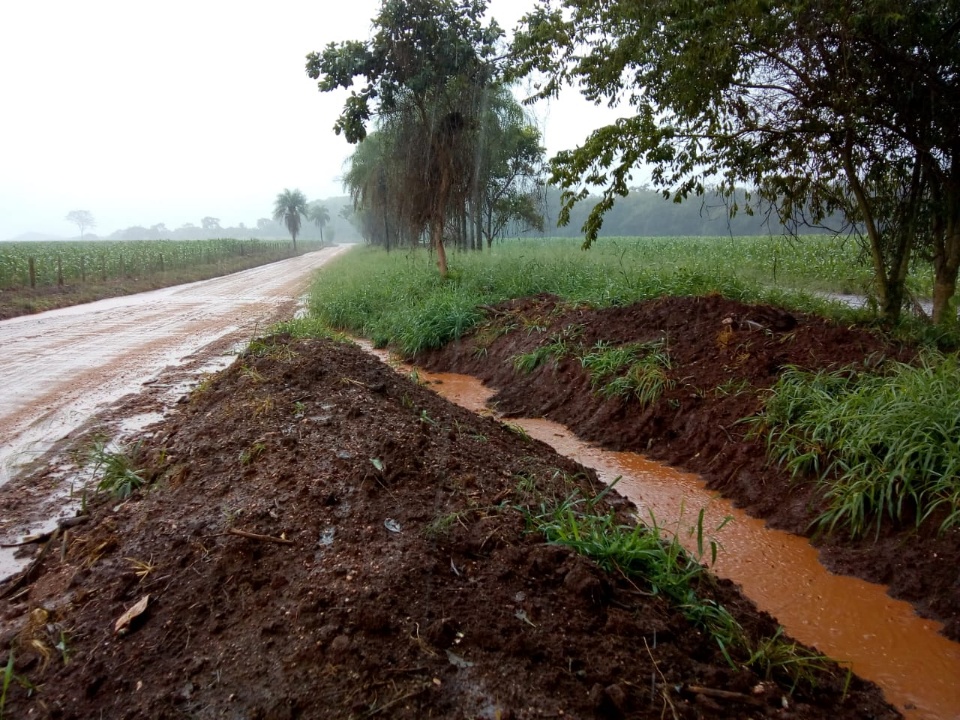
[(62, 367)]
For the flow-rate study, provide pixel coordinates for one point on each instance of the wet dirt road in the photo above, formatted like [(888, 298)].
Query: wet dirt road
[(61, 367)]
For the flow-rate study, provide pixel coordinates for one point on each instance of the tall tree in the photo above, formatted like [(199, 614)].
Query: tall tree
[(290, 207), (821, 105), (510, 184), (374, 184), (83, 219), (425, 70), (319, 216)]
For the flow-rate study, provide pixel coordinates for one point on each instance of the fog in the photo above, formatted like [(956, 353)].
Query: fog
[(172, 112)]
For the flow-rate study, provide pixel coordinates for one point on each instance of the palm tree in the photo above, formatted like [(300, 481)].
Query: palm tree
[(319, 216), (289, 206)]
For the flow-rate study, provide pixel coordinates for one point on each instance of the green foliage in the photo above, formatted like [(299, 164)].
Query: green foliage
[(647, 554), (318, 214), (807, 102), (427, 74), (562, 344), (397, 299), (775, 655), (419, 48), (886, 446), (637, 369), (307, 327), (442, 525), (94, 261), (7, 681), (117, 469), (291, 207), (251, 454)]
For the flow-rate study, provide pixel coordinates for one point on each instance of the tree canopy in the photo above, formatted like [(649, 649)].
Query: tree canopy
[(505, 190), (290, 207), (425, 73), (83, 219), (818, 106), (318, 215)]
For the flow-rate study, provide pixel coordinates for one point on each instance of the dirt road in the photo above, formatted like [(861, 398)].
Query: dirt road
[(61, 367)]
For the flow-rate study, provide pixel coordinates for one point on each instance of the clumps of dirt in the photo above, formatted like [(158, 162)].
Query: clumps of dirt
[(327, 539), (724, 355)]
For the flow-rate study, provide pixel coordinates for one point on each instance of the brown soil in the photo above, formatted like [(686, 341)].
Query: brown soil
[(394, 577), (714, 344)]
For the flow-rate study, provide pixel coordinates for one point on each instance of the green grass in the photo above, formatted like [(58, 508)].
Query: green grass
[(634, 369), (7, 680), (104, 260), (864, 449), (399, 299), (116, 469), (562, 344), (886, 445), (644, 553)]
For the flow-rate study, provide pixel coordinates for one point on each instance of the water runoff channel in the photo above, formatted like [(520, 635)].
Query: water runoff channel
[(850, 620)]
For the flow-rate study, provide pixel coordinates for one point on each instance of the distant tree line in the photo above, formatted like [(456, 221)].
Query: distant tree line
[(337, 227)]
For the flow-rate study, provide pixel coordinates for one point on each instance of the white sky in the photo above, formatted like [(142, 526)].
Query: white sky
[(168, 112)]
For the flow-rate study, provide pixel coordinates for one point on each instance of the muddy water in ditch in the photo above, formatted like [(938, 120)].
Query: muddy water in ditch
[(845, 618)]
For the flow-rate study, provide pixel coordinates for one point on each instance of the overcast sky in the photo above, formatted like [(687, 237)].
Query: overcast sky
[(168, 112)]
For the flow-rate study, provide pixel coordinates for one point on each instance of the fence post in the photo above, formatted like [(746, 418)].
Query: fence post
[(103, 267), (59, 270), (161, 262), (83, 271), (33, 272)]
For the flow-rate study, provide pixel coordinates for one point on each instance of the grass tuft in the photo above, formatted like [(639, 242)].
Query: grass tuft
[(635, 369), (645, 553), (886, 445), (117, 469)]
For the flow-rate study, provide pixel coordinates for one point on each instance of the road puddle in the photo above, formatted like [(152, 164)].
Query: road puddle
[(846, 618)]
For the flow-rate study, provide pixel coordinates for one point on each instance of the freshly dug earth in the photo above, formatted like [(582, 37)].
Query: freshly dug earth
[(724, 356), (392, 575)]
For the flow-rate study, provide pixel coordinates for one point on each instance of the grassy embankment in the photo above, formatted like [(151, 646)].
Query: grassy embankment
[(883, 441), (46, 275)]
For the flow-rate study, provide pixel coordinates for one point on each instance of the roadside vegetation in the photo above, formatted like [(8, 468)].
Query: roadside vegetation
[(884, 444), (37, 276), (397, 298), (882, 441), (653, 557)]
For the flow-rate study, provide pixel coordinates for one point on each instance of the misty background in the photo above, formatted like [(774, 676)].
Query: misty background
[(168, 113), (186, 119)]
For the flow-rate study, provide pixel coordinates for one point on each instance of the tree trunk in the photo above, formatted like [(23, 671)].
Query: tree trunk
[(946, 264), (438, 244), (891, 259), (946, 236)]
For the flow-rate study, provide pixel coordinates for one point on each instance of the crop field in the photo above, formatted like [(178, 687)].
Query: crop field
[(49, 264)]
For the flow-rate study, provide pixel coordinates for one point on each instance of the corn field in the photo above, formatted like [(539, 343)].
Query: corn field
[(46, 264)]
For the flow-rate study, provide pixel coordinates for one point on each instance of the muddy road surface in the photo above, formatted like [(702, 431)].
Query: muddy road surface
[(61, 367)]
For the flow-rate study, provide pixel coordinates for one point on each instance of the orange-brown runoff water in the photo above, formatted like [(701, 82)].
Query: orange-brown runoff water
[(845, 618)]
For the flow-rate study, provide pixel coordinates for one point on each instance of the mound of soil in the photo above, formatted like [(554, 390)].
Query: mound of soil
[(724, 355), (324, 538)]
